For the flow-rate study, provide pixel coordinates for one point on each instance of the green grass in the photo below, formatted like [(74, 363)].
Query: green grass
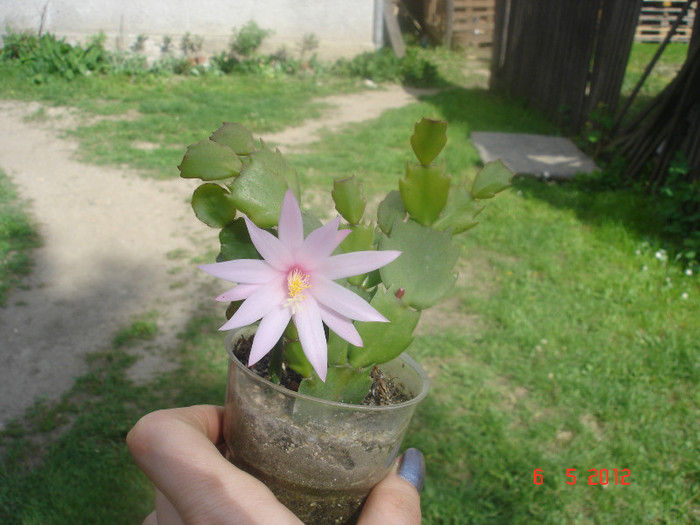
[(587, 358), (18, 236), (144, 328), (664, 71), (377, 153), (577, 350), (147, 122), (173, 113)]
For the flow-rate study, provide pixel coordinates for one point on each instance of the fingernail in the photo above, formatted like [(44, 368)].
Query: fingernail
[(412, 468)]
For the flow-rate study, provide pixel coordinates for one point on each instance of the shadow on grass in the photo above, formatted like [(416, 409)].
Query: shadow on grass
[(475, 109), (632, 209)]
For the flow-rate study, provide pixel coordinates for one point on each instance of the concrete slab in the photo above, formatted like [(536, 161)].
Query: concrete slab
[(539, 155)]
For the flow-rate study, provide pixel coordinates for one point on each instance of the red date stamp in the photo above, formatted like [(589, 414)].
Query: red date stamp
[(596, 476)]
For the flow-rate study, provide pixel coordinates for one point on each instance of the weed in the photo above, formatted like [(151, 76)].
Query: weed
[(309, 42), (166, 44), (246, 40), (143, 328), (46, 56), (127, 63), (191, 45), (596, 130), (680, 207), (140, 43), (384, 65)]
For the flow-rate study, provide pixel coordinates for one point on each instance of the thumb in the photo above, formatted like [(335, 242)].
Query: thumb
[(396, 499)]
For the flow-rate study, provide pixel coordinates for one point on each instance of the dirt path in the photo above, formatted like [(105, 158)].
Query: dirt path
[(107, 256)]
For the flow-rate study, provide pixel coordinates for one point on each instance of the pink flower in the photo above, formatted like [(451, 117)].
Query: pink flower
[(296, 281)]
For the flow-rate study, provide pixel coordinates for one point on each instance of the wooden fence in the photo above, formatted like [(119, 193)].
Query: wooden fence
[(460, 23), (564, 58), (472, 22), (656, 19)]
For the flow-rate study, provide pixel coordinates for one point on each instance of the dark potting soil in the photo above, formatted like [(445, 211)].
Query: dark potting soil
[(384, 390)]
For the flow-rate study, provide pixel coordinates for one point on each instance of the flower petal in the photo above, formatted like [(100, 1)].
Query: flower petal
[(291, 225), (343, 301), (273, 251), (355, 263), (312, 336), (319, 244), (258, 305), (268, 333), (238, 293), (340, 325), (249, 271)]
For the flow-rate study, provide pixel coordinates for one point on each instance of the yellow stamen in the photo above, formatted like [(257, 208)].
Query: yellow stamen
[(297, 282)]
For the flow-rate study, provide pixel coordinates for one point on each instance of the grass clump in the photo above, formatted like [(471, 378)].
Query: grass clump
[(18, 237), (144, 328)]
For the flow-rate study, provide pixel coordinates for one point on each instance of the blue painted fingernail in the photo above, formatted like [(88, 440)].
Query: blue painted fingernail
[(412, 468)]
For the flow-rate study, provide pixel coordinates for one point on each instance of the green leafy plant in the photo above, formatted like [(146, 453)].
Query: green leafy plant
[(246, 40), (384, 65), (166, 45), (140, 43), (191, 44), (596, 130), (680, 208), (47, 56), (247, 187), (309, 42), (20, 45)]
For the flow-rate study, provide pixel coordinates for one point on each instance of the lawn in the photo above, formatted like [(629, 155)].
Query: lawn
[(569, 343), (669, 63)]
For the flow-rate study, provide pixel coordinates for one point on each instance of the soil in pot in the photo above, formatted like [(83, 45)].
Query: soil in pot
[(383, 392)]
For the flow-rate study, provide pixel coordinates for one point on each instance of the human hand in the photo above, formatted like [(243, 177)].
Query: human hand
[(179, 450)]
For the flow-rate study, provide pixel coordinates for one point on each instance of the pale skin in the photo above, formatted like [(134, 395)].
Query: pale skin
[(179, 450)]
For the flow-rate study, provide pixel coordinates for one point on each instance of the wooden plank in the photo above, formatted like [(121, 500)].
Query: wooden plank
[(392, 26), (470, 27)]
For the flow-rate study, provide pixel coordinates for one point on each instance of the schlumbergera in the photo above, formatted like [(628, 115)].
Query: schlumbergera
[(332, 301)]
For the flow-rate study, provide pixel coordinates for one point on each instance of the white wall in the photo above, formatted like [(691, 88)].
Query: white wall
[(343, 27)]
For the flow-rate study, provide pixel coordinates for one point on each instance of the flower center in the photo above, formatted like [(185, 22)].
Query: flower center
[(297, 282)]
